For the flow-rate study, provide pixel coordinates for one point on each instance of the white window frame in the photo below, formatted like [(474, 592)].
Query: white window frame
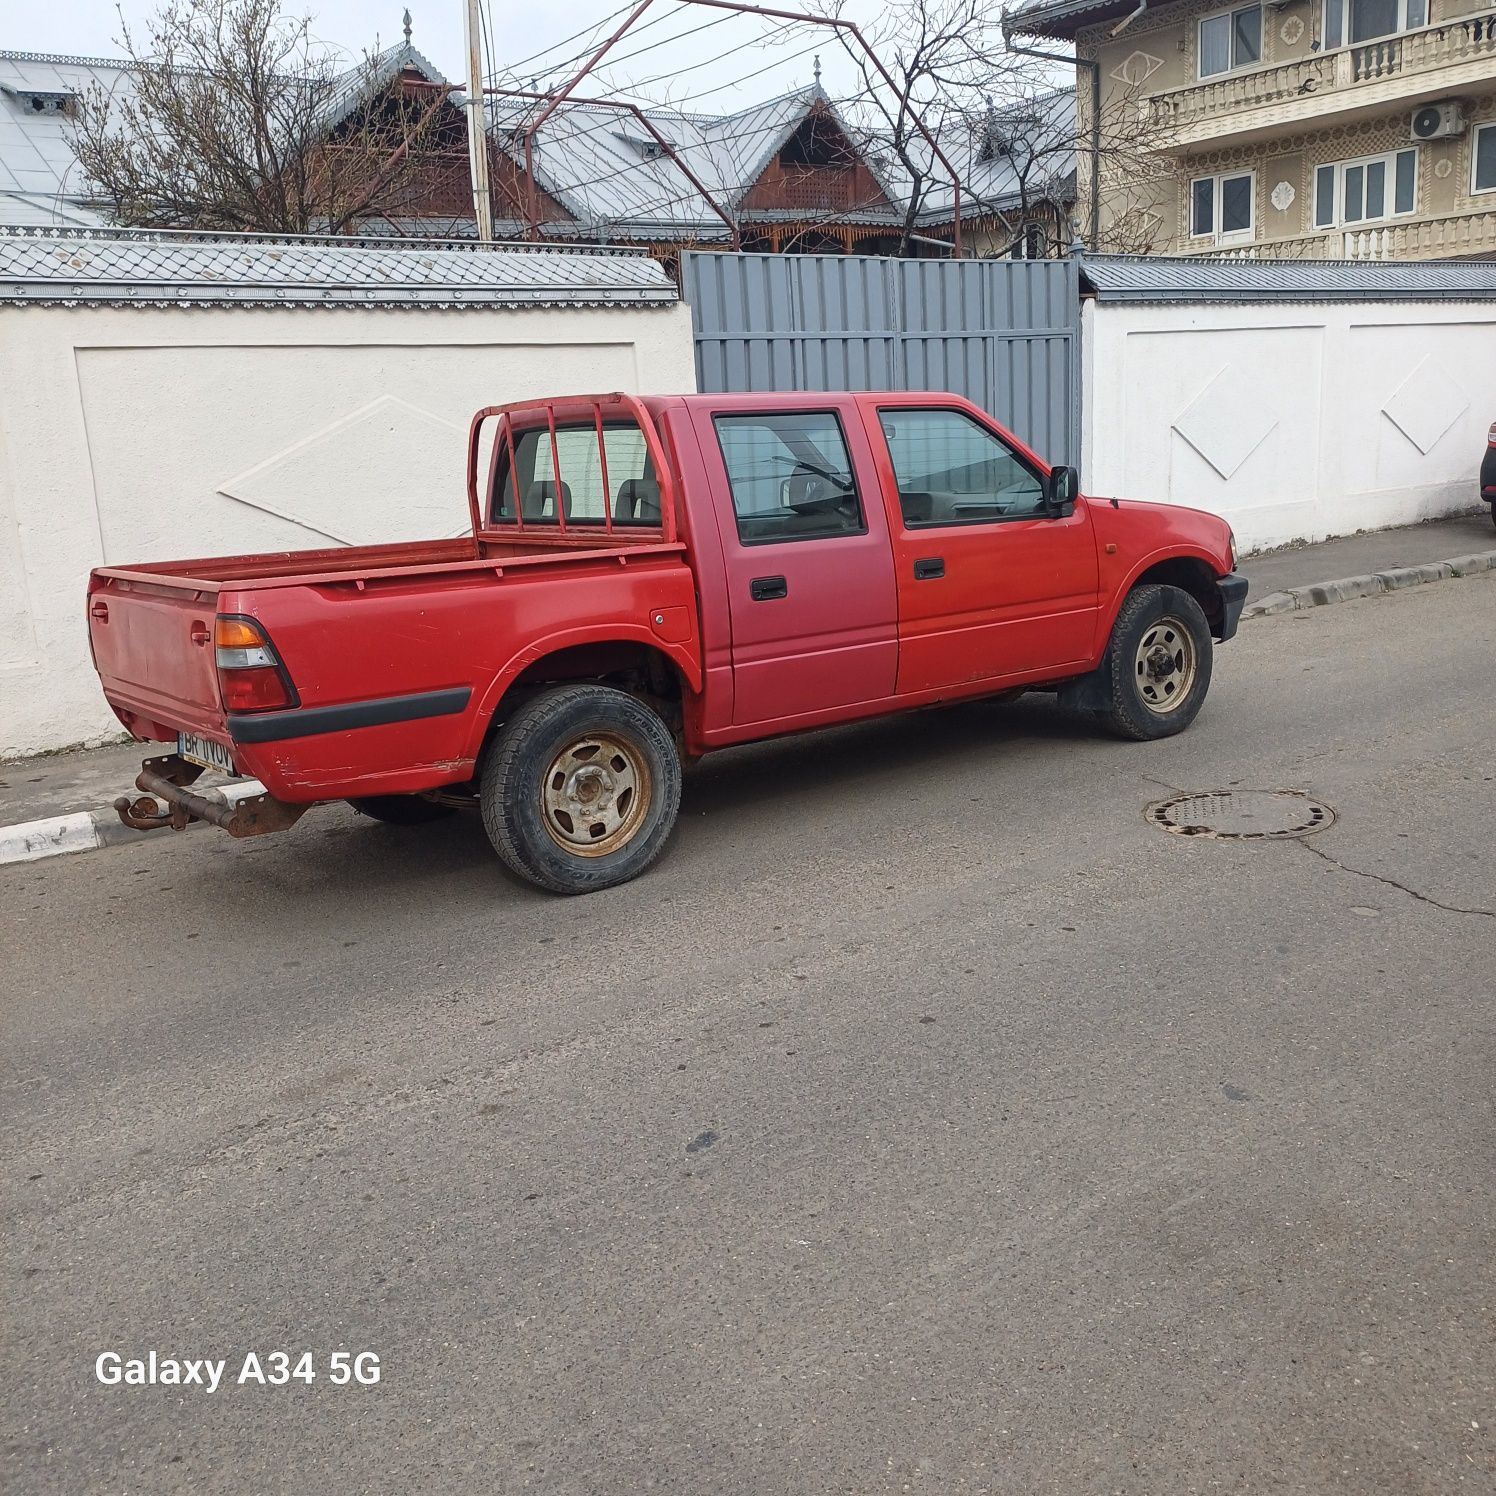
[(1389, 161), (1217, 234), (1344, 7), (1475, 135), (1233, 66)]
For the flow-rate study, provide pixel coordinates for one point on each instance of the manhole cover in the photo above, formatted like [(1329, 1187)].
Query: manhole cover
[(1241, 815)]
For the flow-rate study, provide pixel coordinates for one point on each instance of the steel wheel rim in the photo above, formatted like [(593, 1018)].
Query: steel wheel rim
[(1165, 665), (595, 794)]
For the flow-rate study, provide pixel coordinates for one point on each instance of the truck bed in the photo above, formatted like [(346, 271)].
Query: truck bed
[(384, 628)]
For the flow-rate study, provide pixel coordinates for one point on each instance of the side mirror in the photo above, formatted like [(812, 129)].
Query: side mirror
[(1060, 491)]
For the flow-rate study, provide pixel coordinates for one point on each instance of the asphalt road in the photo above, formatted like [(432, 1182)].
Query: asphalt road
[(927, 1121)]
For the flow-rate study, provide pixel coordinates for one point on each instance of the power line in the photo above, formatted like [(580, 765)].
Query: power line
[(515, 70), (720, 87), (565, 40), (665, 41)]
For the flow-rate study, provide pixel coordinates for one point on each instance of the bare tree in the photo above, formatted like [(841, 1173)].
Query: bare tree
[(940, 54), (236, 117)]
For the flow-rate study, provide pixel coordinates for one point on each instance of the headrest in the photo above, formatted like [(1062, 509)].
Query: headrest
[(540, 502), (638, 501)]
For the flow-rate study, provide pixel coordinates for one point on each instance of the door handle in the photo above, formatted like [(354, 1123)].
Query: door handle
[(929, 567), (762, 589), (99, 609), (200, 634)]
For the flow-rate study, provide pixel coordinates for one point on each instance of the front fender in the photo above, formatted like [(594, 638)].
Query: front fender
[(1127, 579)]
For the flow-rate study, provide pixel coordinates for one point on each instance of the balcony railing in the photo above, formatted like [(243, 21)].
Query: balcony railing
[(813, 188), (1408, 54), (1447, 238)]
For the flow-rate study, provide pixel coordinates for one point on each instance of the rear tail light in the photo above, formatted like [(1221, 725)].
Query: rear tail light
[(251, 677), (1491, 434)]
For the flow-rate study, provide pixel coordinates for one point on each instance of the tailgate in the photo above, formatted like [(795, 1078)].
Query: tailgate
[(153, 648)]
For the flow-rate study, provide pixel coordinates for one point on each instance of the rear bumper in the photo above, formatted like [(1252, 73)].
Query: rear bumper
[(1233, 590)]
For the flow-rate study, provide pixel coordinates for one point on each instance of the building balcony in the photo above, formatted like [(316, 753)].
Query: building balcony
[(1360, 80), (1457, 236)]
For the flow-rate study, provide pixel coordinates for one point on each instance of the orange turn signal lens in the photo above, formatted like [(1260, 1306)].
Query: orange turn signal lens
[(236, 633)]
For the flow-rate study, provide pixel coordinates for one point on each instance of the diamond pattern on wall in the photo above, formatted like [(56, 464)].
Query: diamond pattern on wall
[(347, 479), (1425, 405), (1137, 68), (1227, 421)]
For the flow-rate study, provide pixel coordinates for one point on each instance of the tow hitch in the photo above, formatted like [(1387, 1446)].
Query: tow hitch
[(167, 779)]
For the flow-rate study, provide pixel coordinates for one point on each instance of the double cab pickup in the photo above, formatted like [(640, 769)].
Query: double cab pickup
[(648, 579)]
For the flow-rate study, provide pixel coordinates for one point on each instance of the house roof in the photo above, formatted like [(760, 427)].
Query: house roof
[(1039, 163), (602, 166), (134, 267), (1158, 278), (40, 180), (589, 159), (354, 85), (1063, 18), (598, 163)]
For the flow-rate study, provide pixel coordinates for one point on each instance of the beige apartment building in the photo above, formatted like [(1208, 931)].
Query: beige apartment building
[(1304, 129)]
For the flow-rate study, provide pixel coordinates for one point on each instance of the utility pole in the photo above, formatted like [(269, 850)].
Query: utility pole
[(477, 121)]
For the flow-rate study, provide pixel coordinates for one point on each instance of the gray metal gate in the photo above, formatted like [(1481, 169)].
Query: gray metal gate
[(1004, 333)]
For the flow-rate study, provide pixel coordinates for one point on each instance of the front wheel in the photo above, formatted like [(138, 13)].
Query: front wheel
[(1158, 663), (580, 789)]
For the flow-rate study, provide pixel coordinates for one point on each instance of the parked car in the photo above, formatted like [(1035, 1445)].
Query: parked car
[(1488, 471), (648, 580)]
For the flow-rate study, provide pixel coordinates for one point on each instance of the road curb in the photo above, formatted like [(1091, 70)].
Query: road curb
[(1372, 584), (90, 830)]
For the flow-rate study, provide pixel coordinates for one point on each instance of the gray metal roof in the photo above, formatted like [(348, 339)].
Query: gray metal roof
[(1062, 18), (594, 161), (130, 267), (1160, 278), (40, 180)]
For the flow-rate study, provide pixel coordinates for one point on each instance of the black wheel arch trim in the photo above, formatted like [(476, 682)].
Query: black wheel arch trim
[(381, 711)]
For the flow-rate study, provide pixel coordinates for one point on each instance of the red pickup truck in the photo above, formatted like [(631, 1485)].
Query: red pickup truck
[(648, 579)]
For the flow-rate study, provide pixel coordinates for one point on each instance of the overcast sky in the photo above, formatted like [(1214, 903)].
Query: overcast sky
[(708, 71)]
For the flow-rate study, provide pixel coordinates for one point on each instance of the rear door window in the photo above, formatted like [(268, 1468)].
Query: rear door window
[(790, 476)]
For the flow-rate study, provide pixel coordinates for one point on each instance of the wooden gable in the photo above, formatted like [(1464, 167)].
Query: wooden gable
[(817, 170)]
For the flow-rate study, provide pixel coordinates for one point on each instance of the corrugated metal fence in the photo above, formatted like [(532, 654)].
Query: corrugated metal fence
[(1004, 333)]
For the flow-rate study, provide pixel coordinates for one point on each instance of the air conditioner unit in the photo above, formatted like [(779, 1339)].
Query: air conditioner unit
[(1438, 121)]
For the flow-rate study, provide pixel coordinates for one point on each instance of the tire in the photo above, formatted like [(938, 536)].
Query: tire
[(401, 810), (1157, 664), (580, 789)]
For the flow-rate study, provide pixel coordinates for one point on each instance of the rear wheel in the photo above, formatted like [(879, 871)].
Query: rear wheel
[(400, 810), (1158, 663), (580, 789)]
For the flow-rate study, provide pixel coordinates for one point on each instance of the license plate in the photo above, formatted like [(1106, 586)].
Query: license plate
[(204, 752)]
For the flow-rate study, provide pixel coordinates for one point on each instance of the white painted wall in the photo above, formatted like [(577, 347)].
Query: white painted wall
[(158, 433), (1293, 421)]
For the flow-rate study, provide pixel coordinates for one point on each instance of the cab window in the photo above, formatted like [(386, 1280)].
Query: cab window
[(790, 476), (633, 492), (952, 471)]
